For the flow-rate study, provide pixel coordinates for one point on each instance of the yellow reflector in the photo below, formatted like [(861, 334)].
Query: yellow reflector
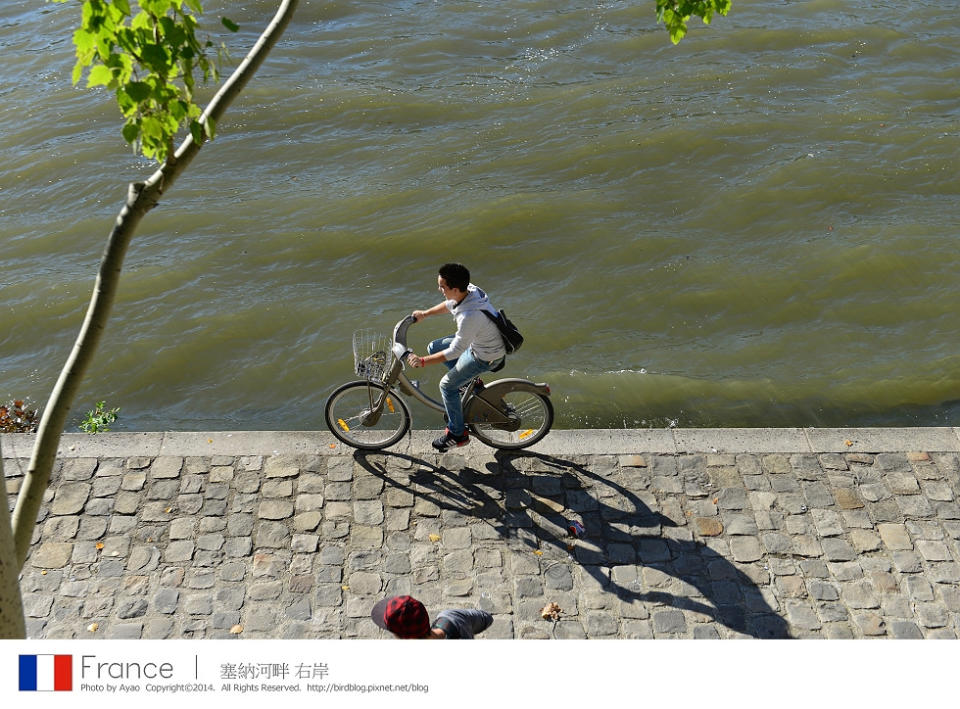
[(390, 405), (528, 432), (343, 424)]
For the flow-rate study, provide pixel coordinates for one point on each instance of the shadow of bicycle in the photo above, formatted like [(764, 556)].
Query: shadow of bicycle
[(532, 509)]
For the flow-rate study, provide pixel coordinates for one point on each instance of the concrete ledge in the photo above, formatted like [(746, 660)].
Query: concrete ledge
[(561, 442), (882, 440), (251, 443), (85, 445), (741, 440)]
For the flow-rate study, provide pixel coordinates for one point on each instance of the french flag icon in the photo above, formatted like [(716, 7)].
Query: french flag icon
[(46, 673)]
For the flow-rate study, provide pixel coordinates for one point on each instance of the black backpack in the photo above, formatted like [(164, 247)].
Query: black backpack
[(512, 339)]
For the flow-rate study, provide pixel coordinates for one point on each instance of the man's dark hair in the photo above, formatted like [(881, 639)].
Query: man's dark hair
[(456, 275)]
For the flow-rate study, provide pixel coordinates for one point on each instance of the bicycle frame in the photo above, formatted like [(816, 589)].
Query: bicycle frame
[(476, 407), (397, 375)]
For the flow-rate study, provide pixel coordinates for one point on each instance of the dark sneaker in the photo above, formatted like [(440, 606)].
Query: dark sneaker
[(448, 441)]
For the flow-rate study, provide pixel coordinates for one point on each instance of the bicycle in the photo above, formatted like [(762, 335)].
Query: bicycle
[(370, 413)]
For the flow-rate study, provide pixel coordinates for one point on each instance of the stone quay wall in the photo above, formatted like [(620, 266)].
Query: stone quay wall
[(772, 533)]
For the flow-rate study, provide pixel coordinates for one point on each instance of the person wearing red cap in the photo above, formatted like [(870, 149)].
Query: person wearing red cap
[(407, 618)]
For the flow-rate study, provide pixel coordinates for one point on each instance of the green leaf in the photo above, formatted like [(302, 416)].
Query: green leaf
[(178, 110), (196, 130), (155, 58), (89, 15), (138, 91), (210, 127), (104, 45), (141, 21), (128, 108), (99, 75), (152, 128), (131, 131), (84, 41), (170, 123), (157, 8), (229, 24), (675, 14), (173, 34)]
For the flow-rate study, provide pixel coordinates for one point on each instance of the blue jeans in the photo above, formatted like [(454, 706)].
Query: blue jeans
[(461, 371)]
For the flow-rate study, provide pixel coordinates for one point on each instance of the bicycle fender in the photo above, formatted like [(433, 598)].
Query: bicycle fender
[(505, 386)]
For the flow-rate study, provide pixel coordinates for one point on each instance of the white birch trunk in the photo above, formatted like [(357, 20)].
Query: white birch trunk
[(141, 198)]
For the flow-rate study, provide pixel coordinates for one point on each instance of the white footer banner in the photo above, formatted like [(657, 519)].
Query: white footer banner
[(398, 673)]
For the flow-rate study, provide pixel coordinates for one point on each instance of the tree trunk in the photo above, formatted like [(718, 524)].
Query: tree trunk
[(11, 605), (141, 198)]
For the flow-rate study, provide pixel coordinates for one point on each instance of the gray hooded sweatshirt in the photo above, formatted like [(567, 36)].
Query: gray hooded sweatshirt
[(474, 329), (464, 623)]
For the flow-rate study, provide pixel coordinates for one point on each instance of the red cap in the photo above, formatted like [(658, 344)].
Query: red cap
[(404, 616)]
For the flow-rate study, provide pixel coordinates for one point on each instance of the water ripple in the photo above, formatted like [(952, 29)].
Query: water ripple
[(755, 227)]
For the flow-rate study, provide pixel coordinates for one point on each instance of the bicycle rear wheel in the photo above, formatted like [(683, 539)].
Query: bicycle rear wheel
[(530, 417), (351, 417)]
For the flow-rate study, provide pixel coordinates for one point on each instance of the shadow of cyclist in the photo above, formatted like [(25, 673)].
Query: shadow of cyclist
[(623, 533)]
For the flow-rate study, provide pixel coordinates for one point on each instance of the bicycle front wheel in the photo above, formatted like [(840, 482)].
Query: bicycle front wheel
[(351, 414), (530, 417)]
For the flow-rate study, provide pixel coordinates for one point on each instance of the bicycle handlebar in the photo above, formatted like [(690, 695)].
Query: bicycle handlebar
[(400, 337)]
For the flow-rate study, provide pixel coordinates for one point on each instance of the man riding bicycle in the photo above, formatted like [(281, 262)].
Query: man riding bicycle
[(476, 347)]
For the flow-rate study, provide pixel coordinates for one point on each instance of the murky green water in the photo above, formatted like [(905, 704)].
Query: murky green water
[(756, 227)]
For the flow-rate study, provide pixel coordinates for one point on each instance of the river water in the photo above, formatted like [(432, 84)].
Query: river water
[(754, 228)]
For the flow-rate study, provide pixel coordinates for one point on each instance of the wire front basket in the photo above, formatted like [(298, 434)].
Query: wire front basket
[(372, 354)]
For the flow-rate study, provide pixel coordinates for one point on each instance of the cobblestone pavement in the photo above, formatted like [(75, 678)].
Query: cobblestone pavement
[(301, 541)]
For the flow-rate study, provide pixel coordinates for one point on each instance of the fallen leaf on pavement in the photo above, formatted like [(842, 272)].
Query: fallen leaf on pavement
[(551, 611)]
